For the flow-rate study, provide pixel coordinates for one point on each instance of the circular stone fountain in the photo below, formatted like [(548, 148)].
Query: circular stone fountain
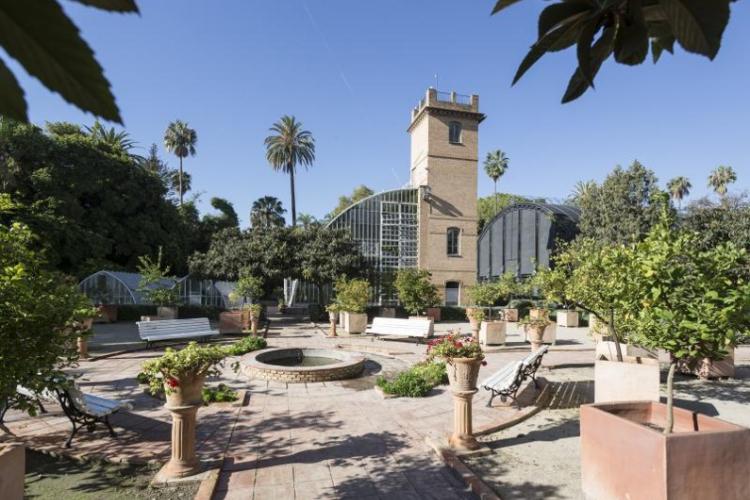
[(303, 365)]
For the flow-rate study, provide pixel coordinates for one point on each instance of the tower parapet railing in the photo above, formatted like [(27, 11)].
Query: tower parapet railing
[(449, 100)]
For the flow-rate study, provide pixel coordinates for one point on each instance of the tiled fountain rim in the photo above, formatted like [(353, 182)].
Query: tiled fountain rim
[(351, 364)]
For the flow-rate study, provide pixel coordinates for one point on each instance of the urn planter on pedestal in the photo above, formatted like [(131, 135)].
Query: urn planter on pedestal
[(492, 333), (183, 401), (633, 379), (567, 318), (624, 454), (462, 376)]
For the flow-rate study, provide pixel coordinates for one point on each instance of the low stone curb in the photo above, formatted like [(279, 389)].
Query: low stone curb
[(468, 476), (208, 485), (541, 402)]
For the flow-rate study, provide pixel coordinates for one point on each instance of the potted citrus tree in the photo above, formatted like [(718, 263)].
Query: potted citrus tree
[(246, 294), (352, 297), (416, 292), (693, 304), (180, 374), (507, 288), (463, 358), (158, 287)]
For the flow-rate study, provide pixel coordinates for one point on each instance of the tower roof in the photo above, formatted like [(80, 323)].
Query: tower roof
[(448, 103)]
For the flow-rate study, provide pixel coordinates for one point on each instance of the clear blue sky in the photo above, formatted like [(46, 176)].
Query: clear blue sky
[(351, 71)]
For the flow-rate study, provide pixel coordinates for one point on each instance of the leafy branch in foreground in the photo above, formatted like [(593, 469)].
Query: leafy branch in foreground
[(43, 39), (623, 28)]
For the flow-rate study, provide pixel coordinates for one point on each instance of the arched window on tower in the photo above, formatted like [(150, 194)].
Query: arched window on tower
[(453, 236), (454, 132)]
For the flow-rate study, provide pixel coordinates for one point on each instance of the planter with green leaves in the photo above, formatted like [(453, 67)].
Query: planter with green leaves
[(181, 375), (352, 297), (158, 287), (693, 304), (417, 293), (463, 358)]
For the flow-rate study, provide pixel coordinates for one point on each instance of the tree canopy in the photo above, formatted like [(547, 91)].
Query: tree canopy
[(360, 193)]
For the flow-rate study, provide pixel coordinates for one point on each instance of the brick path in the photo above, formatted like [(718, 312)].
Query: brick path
[(315, 440)]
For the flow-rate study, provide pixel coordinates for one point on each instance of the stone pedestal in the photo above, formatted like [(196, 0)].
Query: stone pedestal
[(183, 462), (463, 434), (254, 325), (12, 470), (83, 347)]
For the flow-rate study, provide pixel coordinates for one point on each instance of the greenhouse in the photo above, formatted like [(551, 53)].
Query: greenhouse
[(521, 238), (123, 288), (386, 227)]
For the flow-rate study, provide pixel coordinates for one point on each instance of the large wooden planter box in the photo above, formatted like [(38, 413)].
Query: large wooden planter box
[(635, 379), (709, 368), (166, 312), (233, 322), (108, 314), (621, 458), (608, 350), (567, 318), (355, 322), (492, 333), (388, 312), (12, 471), (510, 314)]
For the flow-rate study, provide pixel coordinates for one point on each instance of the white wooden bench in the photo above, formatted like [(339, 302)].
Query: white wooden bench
[(398, 327), (172, 329), (508, 380), (83, 410)]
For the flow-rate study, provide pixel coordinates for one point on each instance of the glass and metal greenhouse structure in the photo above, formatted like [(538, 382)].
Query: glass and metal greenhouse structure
[(123, 288), (521, 238), (386, 228)]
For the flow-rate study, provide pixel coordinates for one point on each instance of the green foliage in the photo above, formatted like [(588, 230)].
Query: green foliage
[(678, 188), (623, 29), (484, 294), (247, 344), (191, 360), (42, 38), (476, 313), (623, 208), (96, 208), (352, 295), (267, 212), (415, 289), (316, 254), (452, 313), (255, 310), (156, 285), (454, 346), (191, 311), (417, 381), (360, 193), (180, 139), (134, 312), (40, 317), (720, 178), (248, 287), (219, 394)]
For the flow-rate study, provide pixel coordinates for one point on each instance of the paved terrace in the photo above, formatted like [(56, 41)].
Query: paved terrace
[(316, 440)]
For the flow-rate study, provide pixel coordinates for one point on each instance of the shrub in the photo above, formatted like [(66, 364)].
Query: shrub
[(247, 344), (219, 394), (132, 312), (352, 295), (156, 285), (452, 313), (415, 290), (191, 360), (417, 381)]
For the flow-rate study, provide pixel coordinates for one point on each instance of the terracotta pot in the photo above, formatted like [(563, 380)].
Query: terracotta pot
[(633, 379), (187, 393), (536, 337), (230, 322), (622, 457), (510, 314), (433, 313), (463, 373), (492, 333)]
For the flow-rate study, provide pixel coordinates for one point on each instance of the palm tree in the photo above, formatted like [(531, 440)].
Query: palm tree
[(495, 165), (117, 140), (720, 178), (288, 147), (267, 212), (180, 140), (679, 187), (581, 190)]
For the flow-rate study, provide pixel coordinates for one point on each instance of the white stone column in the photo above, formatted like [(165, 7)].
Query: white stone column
[(463, 434)]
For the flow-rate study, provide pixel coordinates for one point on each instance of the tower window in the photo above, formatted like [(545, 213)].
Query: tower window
[(453, 235), (454, 132)]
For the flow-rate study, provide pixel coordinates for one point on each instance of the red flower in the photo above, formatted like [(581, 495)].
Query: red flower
[(173, 382)]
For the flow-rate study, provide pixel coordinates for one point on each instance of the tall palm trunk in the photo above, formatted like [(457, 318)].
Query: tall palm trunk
[(294, 201), (495, 200), (180, 181)]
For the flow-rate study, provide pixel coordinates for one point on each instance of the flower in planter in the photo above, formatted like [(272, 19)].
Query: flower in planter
[(454, 346), (172, 382)]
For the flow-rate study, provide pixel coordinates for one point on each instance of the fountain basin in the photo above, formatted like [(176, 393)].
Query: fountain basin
[(299, 365)]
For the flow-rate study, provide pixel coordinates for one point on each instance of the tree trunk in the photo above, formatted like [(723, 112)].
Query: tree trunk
[(294, 201), (180, 181), (669, 426), (613, 333), (495, 199)]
